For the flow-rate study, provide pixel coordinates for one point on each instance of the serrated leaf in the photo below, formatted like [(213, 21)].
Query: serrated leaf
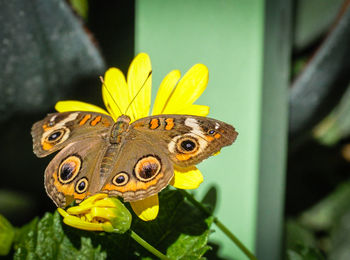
[(48, 238), (180, 230)]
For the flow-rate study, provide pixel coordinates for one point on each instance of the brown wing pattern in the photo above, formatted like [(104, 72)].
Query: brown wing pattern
[(73, 174), (59, 129), (141, 169), (187, 140)]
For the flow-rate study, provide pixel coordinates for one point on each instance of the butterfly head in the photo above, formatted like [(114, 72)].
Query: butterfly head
[(119, 128)]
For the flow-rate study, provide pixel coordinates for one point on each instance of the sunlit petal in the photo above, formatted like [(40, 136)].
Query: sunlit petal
[(146, 209), (97, 213), (76, 222), (188, 178), (140, 82), (189, 88), (93, 199), (115, 92), (71, 105), (164, 91)]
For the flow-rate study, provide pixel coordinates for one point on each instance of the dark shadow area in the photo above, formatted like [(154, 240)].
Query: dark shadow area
[(112, 24), (210, 198), (313, 172)]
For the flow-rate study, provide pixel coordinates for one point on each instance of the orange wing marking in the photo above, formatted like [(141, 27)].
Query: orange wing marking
[(169, 123), (95, 121), (46, 146), (183, 157), (133, 185), (86, 118), (217, 136), (154, 123), (209, 138)]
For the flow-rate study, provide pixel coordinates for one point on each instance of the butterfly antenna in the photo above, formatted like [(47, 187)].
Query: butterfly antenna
[(169, 97), (109, 93), (144, 83)]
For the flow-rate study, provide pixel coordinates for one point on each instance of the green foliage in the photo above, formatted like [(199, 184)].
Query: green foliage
[(81, 7), (324, 227), (304, 253), (181, 231), (7, 234)]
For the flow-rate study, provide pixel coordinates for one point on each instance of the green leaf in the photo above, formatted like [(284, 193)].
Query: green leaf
[(304, 253), (210, 198), (48, 238), (181, 231), (327, 213), (81, 7), (7, 234)]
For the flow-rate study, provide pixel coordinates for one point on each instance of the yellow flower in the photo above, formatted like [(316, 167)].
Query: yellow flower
[(98, 213), (175, 96)]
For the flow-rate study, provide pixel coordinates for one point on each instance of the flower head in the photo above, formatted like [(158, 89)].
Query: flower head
[(132, 96), (98, 213)]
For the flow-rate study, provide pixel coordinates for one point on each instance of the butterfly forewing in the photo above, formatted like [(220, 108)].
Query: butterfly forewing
[(132, 161), (59, 129), (187, 140)]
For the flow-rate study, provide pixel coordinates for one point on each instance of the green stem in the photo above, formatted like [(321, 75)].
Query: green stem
[(147, 246), (220, 225)]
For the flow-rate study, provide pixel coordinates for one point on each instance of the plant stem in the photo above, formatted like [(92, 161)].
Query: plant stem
[(147, 246), (220, 225)]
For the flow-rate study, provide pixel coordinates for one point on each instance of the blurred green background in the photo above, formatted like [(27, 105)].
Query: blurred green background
[(278, 73)]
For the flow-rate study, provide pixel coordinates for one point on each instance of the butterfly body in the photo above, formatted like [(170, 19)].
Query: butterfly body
[(132, 160)]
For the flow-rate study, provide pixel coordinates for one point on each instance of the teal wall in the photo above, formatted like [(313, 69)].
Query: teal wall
[(228, 37)]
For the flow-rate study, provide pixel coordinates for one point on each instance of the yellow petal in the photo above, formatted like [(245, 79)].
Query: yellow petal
[(62, 212), (196, 110), (81, 209), (215, 154), (164, 91), (140, 82), (188, 178), (189, 88), (70, 105), (115, 92), (87, 204), (91, 200), (146, 209), (78, 223), (104, 213)]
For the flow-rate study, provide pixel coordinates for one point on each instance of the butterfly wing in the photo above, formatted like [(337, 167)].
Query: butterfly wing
[(83, 138), (73, 174), (59, 129), (153, 145), (140, 169), (187, 140)]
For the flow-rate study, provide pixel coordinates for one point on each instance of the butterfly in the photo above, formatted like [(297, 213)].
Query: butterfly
[(131, 160)]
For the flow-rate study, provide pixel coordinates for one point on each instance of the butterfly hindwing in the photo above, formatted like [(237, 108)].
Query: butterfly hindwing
[(74, 173), (140, 169)]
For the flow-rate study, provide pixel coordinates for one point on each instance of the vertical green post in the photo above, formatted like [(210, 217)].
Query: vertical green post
[(273, 133), (228, 37)]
